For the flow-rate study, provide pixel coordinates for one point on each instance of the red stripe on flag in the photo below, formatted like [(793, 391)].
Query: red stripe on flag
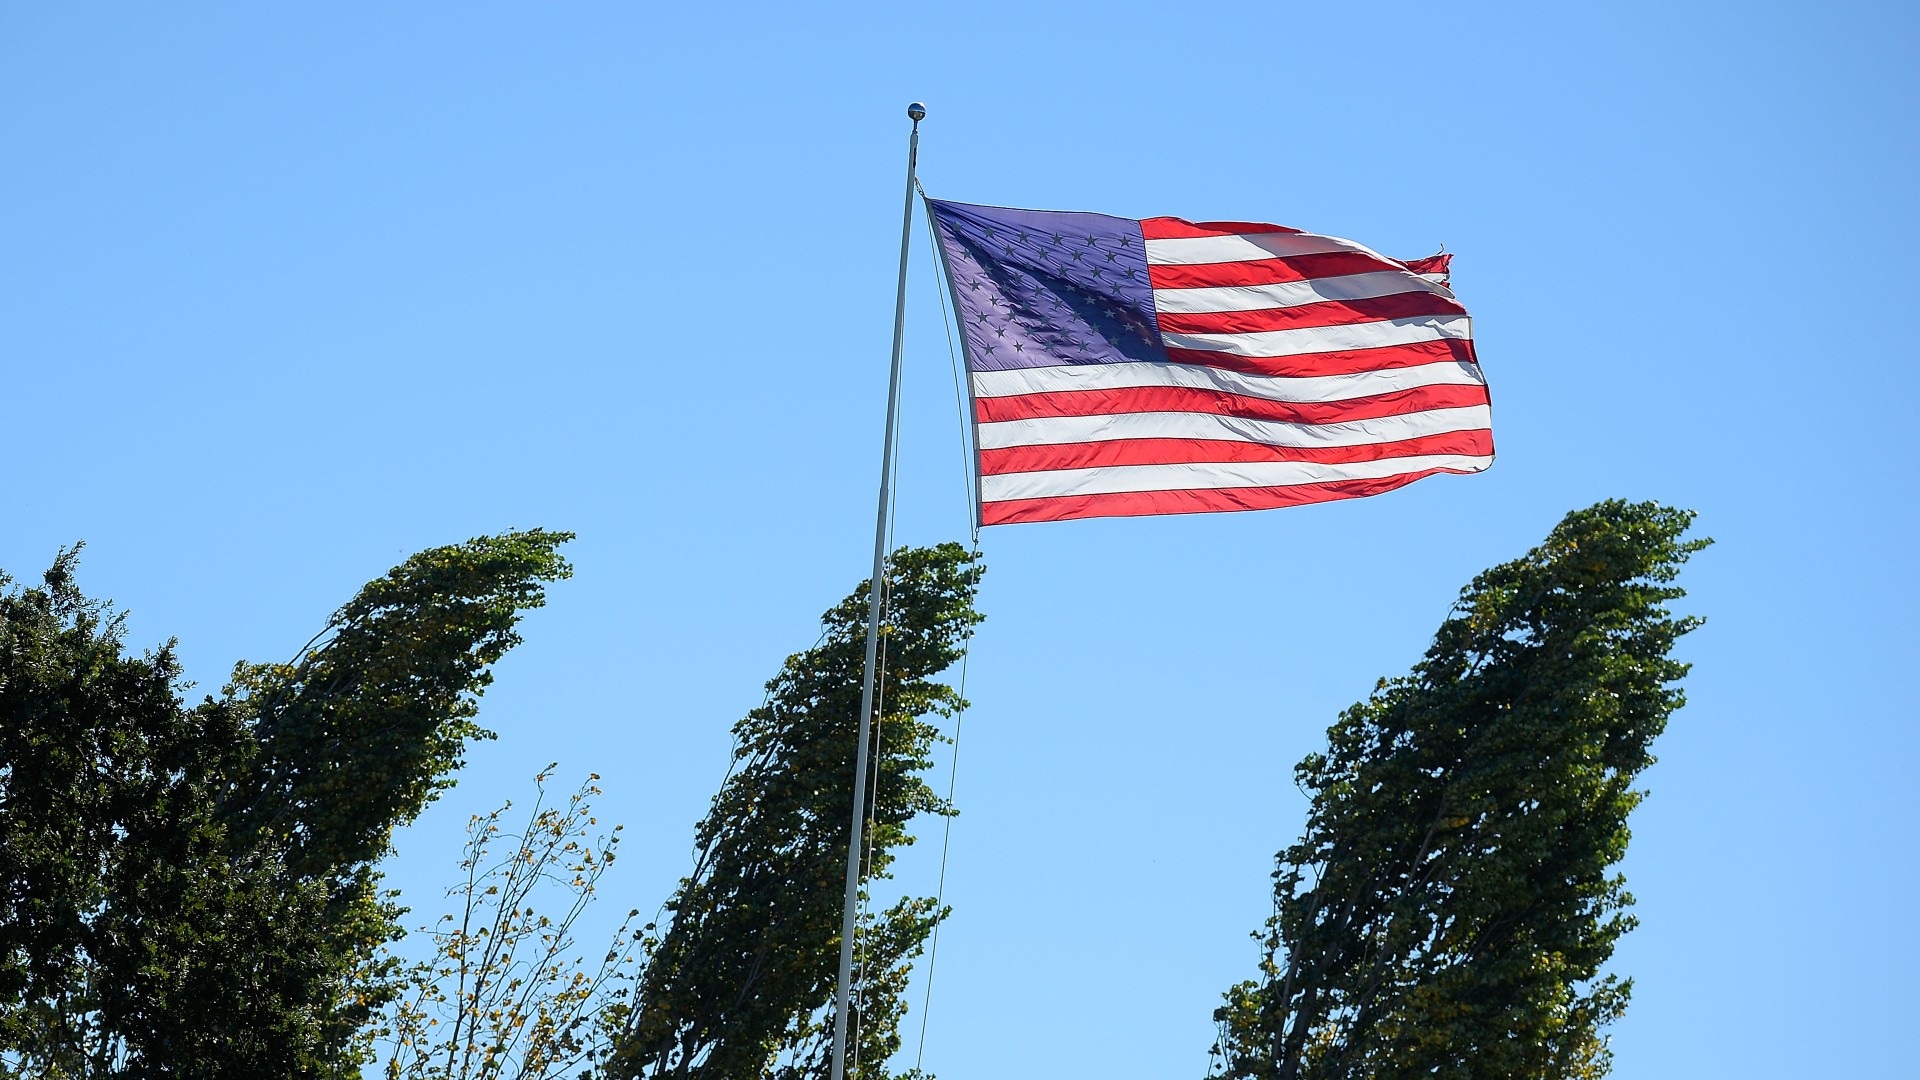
[(1173, 228), (1343, 362), (1325, 313), (1141, 399), (1017, 459), (1265, 271), (1432, 264), (1201, 501)]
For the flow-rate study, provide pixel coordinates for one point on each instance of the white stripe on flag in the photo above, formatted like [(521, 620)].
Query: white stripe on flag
[(1314, 339), (1053, 430), (1292, 293), (1312, 388), (1249, 247), (1113, 479)]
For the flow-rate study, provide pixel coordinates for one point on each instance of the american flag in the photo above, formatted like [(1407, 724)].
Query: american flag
[(1163, 366)]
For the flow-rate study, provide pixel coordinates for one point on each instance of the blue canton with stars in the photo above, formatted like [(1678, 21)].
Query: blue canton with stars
[(1040, 288)]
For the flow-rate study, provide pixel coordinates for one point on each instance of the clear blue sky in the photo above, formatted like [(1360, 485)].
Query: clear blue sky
[(288, 293)]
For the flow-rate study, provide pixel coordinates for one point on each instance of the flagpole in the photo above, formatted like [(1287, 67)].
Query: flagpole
[(915, 112)]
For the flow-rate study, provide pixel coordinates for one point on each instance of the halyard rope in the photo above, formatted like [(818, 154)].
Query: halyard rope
[(947, 318), (946, 838)]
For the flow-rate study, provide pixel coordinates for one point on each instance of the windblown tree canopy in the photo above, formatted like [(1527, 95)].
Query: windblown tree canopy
[(740, 986), (1449, 908), (188, 891)]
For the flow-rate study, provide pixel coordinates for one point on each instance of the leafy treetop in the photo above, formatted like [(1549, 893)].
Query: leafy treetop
[(1449, 908)]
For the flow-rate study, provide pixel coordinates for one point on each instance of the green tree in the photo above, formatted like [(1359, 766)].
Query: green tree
[(190, 891), (1449, 908), (741, 984)]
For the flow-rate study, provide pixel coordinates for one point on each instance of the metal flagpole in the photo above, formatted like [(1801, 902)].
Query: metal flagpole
[(916, 112)]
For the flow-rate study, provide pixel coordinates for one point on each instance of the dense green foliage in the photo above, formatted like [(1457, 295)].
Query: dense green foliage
[(363, 730), (189, 891), (740, 986), (1449, 908)]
